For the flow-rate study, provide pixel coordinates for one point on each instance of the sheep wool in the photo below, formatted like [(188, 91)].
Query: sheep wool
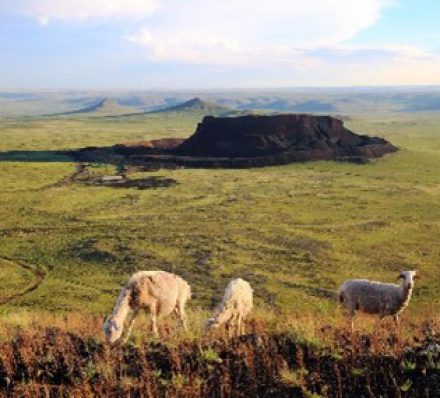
[(158, 292), (383, 299), (236, 304)]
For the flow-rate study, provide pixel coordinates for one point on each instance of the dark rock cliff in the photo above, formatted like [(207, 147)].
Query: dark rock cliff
[(249, 141), (300, 137)]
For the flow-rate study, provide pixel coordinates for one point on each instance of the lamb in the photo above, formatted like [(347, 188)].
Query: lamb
[(158, 292), (383, 299), (236, 304)]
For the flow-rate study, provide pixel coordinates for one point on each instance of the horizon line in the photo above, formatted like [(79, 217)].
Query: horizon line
[(186, 89)]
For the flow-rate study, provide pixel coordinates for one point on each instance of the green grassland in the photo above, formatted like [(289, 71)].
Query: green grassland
[(295, 232)]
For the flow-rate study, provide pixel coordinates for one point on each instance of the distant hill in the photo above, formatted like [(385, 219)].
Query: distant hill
[(206, 108), (103, 107), (336, 101)]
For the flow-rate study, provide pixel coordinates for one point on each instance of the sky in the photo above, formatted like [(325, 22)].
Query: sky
[(213, 44)]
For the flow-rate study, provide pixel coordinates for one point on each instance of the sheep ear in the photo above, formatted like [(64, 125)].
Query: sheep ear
[(400, 276)]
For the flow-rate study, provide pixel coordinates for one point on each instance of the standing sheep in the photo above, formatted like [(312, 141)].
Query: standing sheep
[(158, 292), (236, 304), (383, 299)]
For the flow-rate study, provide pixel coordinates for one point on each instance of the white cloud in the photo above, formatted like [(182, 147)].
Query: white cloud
[(275, 42), (397, 71), (189, 48), (385, 50), (229, 32), (342, 65), (43, 21), (296, 42), (82, 10)]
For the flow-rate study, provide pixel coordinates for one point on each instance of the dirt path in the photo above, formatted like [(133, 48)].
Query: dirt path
[(68, 180), (38, 278), (79, 169)]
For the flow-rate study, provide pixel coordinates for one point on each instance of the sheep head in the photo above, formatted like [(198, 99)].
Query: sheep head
[(408, 278), (112, 330)]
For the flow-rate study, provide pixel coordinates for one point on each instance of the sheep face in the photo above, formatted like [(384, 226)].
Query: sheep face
[(112, 330), (408, 278)]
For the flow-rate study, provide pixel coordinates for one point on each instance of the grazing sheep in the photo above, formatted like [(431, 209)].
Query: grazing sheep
[(383, 299), (235, 306), (158, 292)]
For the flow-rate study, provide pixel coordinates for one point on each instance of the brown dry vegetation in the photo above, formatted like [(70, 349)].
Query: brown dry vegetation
[(288, 357)]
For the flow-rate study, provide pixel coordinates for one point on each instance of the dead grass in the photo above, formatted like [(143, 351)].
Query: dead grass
[(294, 357)]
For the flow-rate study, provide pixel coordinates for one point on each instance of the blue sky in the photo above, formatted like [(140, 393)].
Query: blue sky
[(178, 44)]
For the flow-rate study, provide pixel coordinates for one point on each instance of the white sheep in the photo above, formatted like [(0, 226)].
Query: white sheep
[(383, 299), (158, 292), (236, 304)]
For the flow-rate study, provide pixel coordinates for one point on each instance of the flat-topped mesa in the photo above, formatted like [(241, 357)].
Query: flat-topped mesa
[(248, 141), (291, 137)]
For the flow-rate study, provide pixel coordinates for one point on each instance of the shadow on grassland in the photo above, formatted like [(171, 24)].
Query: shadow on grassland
[(35, 156)]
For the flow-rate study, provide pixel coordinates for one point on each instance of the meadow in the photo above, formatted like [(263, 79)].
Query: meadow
[(295, 232)]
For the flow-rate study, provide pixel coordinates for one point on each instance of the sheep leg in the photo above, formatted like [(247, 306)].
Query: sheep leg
[(238, 328), (153, 311), (180, 310), (231, 327), (353, 316), (379, 323), (241, 325), (397, 322), (237, 324), (232, 330), (130, 324), (154, 325)]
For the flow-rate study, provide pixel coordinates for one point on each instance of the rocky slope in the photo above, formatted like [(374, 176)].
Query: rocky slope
[(298, 136)]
